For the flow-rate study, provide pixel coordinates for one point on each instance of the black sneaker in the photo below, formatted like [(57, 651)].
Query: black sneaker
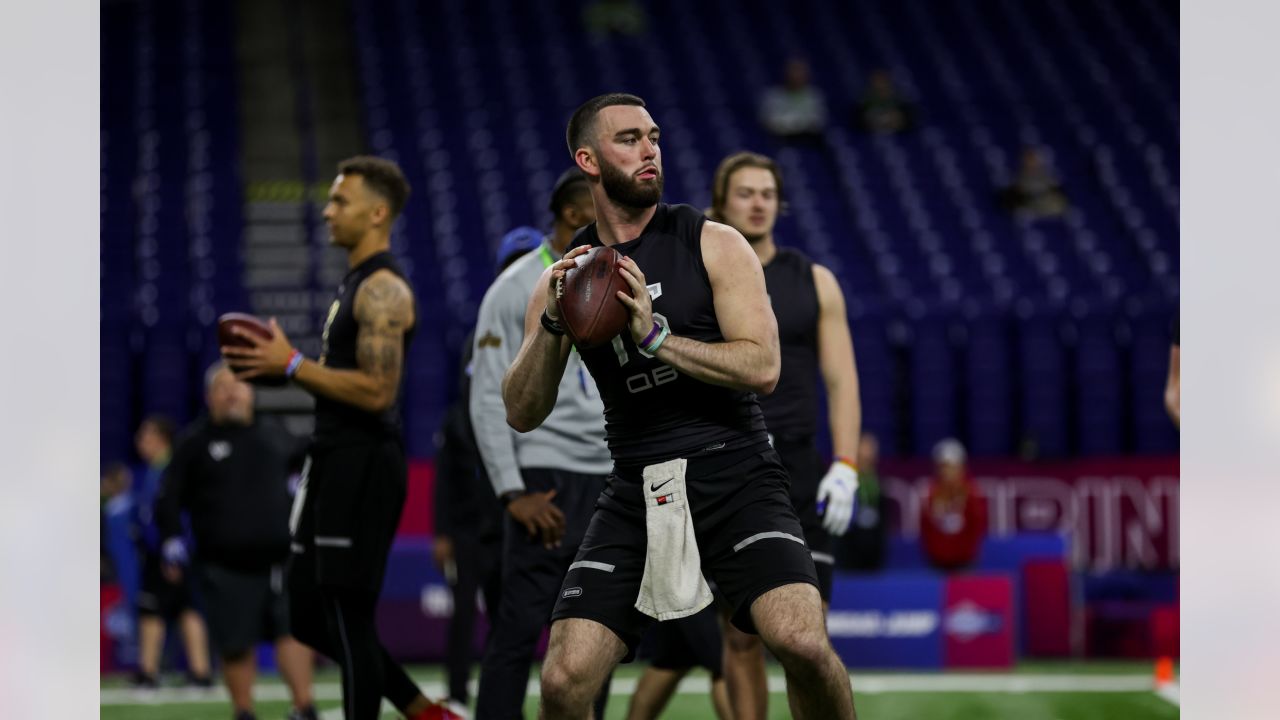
[(245, 715), (202, 682), (306, 713), (143, 681)]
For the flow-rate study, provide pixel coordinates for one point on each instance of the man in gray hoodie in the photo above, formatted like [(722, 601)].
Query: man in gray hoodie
[(547, 479)]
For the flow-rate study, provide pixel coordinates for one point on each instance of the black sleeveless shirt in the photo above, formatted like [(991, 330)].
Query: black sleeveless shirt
[(652, 412), (791, 411), (337, 422)]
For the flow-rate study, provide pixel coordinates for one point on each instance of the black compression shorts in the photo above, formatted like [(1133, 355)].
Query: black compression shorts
[(352, 497), (157, 597), (694, 641), (748, 537), (805, 467)]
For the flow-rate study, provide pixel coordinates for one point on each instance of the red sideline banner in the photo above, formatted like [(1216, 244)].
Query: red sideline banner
[(110, 596), (1119, 513), (418, 519), (977, 622), (1046, 608)]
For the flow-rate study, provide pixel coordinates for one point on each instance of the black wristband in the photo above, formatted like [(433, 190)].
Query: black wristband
[(551, 326), (506, 497)]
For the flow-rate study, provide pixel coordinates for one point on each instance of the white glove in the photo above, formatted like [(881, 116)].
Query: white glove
[(836, 494), (174, 551)]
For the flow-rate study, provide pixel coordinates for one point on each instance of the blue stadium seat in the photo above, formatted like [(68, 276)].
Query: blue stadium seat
[(1099, 374), (1043, 384), (934, 381), (472, 98), (988, 386)]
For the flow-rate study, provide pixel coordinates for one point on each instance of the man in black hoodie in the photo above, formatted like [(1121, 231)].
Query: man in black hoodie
[(230, 473)]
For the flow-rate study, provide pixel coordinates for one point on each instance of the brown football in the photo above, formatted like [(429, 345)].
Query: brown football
[(228, 322), (590, 310)]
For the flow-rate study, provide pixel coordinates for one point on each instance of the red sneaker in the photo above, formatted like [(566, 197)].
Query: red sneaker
[(437, 711)]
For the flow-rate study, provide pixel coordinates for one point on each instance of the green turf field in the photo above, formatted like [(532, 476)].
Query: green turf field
[(1054, 691)]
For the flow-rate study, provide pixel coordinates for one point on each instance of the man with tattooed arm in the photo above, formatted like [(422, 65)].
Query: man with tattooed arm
[(353, 487)]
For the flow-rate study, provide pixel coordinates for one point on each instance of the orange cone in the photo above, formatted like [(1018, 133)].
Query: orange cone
[(1164, 671)]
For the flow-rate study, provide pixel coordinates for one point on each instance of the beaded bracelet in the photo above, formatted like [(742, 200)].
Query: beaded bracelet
[(295, 362)]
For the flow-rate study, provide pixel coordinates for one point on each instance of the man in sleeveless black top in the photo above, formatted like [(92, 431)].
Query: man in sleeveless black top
[(353, 490), (813, 332), (679, 386)]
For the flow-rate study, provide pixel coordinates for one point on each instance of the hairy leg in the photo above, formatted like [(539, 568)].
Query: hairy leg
[(792, 625), (746, 681), (582, 653), (653, 692)]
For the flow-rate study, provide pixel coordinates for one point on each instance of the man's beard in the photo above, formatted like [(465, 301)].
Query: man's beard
[(628, 191)]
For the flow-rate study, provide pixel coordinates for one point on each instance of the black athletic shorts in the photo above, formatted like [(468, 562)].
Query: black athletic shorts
[(694, 641), (747, 533), (806, 468), (351, 499), (157, 597), (243, 607)]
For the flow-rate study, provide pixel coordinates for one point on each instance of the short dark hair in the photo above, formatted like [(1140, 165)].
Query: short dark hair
[(731, 165), (583, 121), (163, 425), (382, 176)]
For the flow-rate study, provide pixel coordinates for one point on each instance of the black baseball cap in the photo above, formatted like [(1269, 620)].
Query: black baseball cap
[(561, 190)]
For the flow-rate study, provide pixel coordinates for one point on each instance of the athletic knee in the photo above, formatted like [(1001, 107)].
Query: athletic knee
[(566, 685), (740, 643), (803, 650)]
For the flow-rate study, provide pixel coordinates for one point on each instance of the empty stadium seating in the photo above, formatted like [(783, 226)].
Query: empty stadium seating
[(1046, 337)]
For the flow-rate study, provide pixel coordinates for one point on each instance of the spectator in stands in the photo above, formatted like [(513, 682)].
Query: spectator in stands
[(882, 110), (620, 17), (230, 473), (864, 546), (1173, 385), (1035, 192), (953, 519), (796, 110), (161, 599)]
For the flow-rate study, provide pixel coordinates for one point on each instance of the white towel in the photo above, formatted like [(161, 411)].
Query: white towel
[(300, 497), (672, 586)]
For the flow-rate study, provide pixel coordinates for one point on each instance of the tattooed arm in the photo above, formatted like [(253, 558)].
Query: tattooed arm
[(384, 311)]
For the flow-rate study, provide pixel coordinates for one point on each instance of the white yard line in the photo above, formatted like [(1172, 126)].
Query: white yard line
[(701, 685), (1169, 692)]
